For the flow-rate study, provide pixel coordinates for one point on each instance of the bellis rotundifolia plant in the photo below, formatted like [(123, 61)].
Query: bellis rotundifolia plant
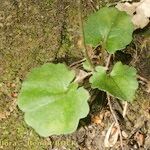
[(54, 103)]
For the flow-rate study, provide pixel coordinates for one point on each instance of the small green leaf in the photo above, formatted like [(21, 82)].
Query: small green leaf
[(110, 28), (121, 82), (86, 66), (52, 104)]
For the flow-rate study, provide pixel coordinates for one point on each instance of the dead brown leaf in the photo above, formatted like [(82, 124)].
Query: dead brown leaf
[(140, 12), (140, 138), (81, 75), (96, 120), (111, 136)]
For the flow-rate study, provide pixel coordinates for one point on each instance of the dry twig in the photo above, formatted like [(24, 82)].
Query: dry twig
[(143, 79), (92, 5), (110, 106), (116, 120)]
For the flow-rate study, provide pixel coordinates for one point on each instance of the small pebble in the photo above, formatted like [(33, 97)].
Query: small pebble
[(14, 95)]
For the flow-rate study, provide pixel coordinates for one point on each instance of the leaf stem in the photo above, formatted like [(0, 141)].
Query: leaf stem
[(108, 61), (85, 51)]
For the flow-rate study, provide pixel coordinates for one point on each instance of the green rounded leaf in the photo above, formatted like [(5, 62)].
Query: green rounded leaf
[(121, 82), (110, 28), (52, 104)]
